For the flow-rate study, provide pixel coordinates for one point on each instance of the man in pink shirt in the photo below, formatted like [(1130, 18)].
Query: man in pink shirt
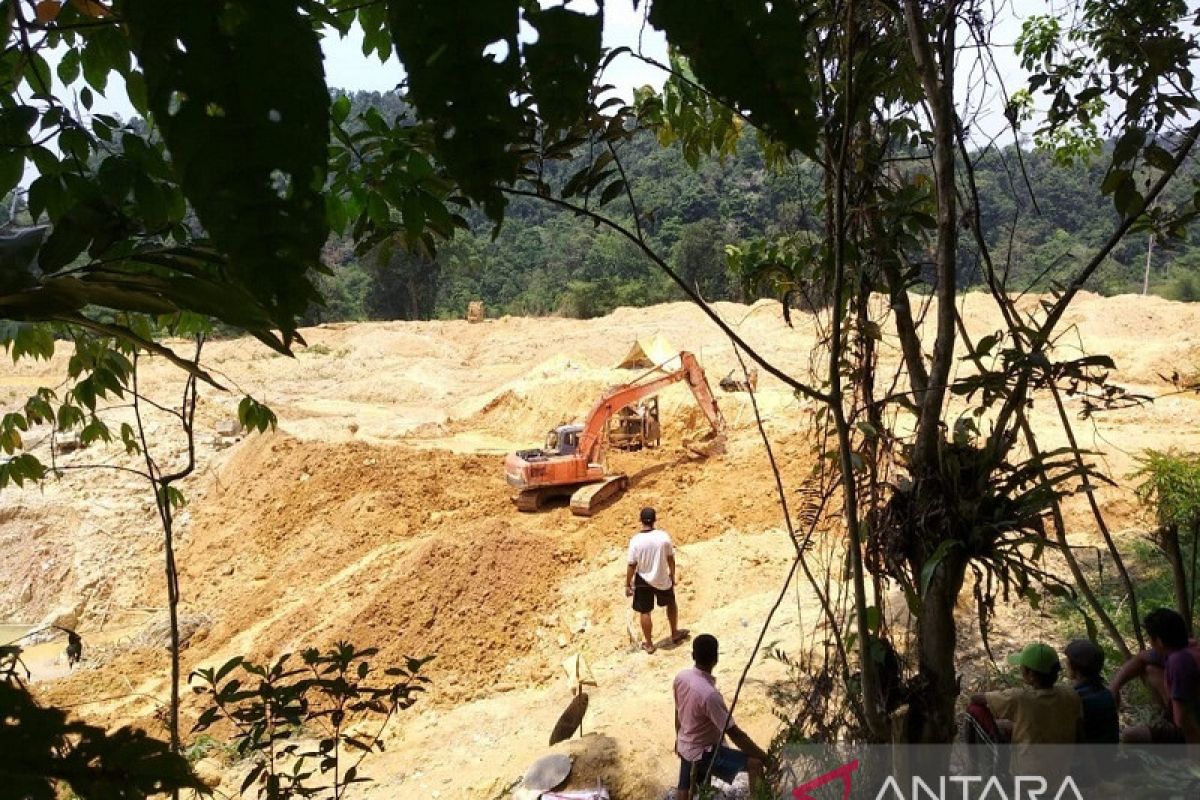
[(701, 722)]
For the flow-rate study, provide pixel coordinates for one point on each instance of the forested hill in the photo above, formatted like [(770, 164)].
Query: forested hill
[(547, 261)]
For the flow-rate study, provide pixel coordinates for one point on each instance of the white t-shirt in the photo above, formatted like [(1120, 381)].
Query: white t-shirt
[(649, 551)]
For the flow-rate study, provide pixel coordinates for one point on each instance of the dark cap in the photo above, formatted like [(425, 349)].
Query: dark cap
[(1086, 656), (648, 516)]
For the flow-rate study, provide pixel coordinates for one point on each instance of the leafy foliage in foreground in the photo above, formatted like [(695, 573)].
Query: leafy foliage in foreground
[(306, 728), (211, 204)]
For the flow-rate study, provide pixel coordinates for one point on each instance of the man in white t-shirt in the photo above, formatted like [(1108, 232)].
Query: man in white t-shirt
[(650, 577)]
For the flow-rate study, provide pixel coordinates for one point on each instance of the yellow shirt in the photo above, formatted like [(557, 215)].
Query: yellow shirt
[(1039, 717)]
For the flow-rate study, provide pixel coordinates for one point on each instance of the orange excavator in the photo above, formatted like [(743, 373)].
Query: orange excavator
[(569, 465)]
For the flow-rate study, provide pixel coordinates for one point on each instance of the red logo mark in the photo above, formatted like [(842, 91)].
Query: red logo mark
[(843, 772)]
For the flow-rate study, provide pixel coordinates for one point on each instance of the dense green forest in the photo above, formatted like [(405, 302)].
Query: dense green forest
[(1040, 218)]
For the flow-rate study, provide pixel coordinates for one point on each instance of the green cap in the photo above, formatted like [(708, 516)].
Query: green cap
[(1037, 657)]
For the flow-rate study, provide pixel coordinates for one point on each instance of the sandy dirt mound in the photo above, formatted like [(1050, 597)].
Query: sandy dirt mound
[(472, 606)]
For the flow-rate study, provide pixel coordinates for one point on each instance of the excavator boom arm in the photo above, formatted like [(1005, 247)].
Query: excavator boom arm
[(619, 397)]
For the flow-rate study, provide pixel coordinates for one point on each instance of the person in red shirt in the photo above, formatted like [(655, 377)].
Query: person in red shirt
[(1171, 668), (701, 722)]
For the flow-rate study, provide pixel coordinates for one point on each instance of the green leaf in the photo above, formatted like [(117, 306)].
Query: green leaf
[(69, 67), (12, 168), (1114, 179), (226, 668), (85, 393), (37, 75), (15, 123), (18, 470), (459, 81), (116, 179), (129, 439), (255, 416), (66, 242), (612, 191), (340, 109), (135, 88), (756, 61), (377, 210), (874, 618), (985, 345), (93, 432), (934, 561), (1159, 158), (413, 214), (96, 66), (562, 62), (259, 63)]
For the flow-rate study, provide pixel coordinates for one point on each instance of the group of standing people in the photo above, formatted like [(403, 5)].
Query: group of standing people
[(702, 719)]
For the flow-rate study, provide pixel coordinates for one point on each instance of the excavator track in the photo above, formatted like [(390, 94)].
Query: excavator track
[(530, 500), (589, 499)]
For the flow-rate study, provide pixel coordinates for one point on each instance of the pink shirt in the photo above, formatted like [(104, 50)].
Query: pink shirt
[(701, 711)]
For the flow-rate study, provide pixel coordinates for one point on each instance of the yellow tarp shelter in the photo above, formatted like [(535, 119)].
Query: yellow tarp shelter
[(652, 351)]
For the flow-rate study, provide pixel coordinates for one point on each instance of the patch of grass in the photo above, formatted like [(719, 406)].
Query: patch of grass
[(1151, 575), (205, 746)]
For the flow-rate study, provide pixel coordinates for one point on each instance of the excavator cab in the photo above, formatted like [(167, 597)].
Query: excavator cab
[(563, 440)]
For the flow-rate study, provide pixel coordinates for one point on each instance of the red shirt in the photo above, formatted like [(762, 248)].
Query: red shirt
[(701, 711)]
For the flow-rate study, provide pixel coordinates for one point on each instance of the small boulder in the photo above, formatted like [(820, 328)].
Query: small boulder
[(62, 617), (230, 428), (208, 770), (68, 442)]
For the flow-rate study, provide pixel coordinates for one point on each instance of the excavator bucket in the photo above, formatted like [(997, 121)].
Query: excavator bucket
[(708, 448)]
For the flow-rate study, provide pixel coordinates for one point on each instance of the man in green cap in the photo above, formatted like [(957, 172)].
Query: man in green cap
[(1041, 712)]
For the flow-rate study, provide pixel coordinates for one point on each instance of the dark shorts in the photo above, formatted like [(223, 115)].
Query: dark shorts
[(726, 764), (644, 596)]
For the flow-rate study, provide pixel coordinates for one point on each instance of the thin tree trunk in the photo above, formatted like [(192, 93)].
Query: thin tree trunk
[(937, 78), (872, 699), (1101, 523), (937, 638), (1168, 540)]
